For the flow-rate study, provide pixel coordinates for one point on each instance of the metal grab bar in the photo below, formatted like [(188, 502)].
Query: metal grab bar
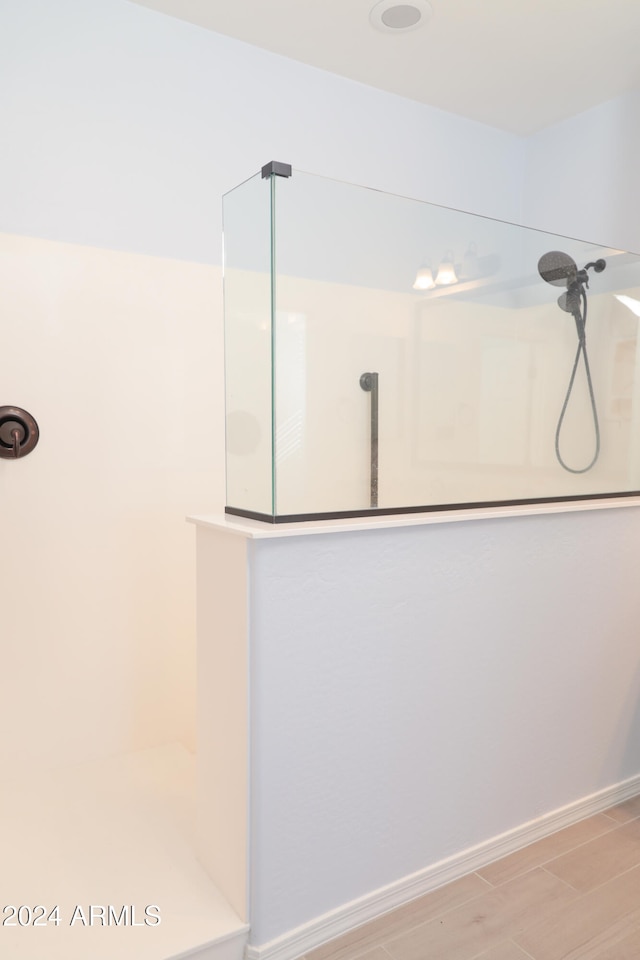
[(369, 383)]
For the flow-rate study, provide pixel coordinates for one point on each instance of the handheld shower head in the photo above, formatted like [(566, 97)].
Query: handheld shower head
[(560, 270), (557, 268)]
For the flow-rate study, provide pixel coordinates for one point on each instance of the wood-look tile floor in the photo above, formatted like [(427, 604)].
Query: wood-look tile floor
[(573, 896)]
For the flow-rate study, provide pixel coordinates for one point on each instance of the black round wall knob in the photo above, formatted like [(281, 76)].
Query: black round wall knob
[(19, 433)]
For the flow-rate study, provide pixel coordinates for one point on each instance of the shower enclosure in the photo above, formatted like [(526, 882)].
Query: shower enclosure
[(385, 355)]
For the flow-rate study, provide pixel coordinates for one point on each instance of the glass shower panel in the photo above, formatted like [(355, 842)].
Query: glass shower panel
[(248, 331), (503, 360)]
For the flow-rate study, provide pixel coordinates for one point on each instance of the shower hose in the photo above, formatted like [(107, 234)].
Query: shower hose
[(580, 317)]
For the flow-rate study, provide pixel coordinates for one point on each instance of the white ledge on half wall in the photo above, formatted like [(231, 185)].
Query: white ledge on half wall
[(260, 530)]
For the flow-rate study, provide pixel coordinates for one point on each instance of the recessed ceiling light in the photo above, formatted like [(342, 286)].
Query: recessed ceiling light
[(393, 17)]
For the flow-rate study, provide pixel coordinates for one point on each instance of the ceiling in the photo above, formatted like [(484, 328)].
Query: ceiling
[(515, 64)]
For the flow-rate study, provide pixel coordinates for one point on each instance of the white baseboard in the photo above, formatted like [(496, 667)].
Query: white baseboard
[(342, 920)]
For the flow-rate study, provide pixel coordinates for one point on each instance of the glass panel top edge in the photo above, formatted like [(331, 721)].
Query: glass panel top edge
[(296, 171)]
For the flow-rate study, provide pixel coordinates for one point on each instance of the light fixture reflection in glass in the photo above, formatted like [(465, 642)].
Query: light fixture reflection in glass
[(446, 271), (630, 302), (424, 278)]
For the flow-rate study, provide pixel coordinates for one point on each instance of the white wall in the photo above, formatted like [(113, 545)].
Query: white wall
[(421, 690), (96, 563), (121, 128), (581, 175)]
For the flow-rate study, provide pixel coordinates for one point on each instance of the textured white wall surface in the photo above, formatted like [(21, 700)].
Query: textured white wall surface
[(420, 690)]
